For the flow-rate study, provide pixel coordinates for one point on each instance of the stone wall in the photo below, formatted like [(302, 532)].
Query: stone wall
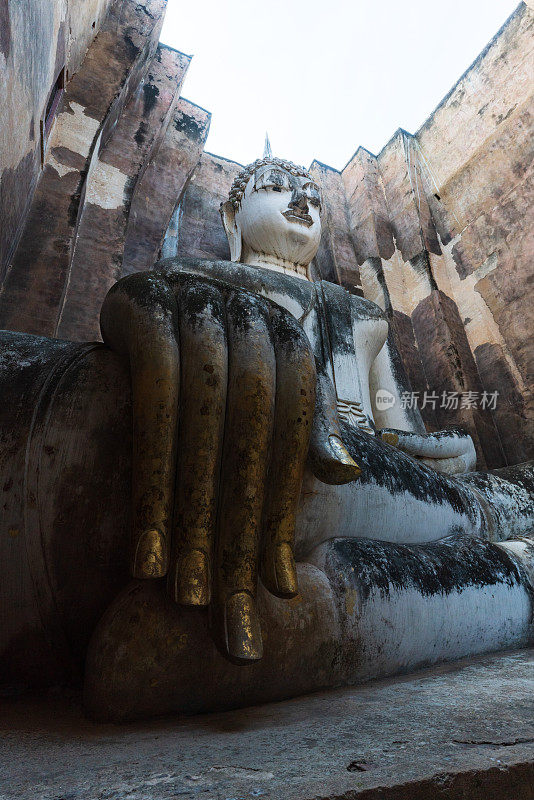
[(196, 229), (120, 148), (96, 262), (38, 41), (484, 217), (161, 189), (36, 284), (440, 224)]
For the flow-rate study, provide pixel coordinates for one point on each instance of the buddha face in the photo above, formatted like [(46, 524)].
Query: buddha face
[(279, 215)]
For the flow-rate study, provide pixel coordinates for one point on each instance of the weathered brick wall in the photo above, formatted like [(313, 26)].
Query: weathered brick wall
[(197, 230), (119, 152), (96, 262), (478, 145), (37, 40), (163, 184), (442, 228), (34, 288)]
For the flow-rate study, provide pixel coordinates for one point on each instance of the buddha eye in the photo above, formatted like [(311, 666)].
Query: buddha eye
[(313, 195), (275, 180)]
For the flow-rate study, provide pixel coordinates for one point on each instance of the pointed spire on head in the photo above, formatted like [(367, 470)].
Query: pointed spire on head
[(267, 152)]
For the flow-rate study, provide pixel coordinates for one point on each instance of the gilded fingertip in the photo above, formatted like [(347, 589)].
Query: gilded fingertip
[(150, 560), (192, 580), (242, 629), (285, 571)]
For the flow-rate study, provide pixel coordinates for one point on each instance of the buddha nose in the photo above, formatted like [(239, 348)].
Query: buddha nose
[(299, 200)]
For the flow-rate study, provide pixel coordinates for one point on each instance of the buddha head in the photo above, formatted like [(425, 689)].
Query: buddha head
[(273, 216)]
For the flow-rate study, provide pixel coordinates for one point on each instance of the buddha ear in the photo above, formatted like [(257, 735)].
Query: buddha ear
[(232, 229)]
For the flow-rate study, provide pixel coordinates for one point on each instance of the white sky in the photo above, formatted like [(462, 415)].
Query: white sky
[(323, 77)]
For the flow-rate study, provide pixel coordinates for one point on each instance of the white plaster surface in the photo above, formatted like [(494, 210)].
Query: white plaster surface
[(106, 186), (74, 130), (480, 325), (407, 286)]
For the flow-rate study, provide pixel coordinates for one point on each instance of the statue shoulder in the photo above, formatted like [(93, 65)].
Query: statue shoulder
[(360, 308)]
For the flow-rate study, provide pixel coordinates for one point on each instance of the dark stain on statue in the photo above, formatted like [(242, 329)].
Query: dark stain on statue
[(189, 126), (450, 565), (5, 30), (131, 47), (245, 310), (198, 299), (239, 276), (521, 475), (141, 132), (287, 331), (150, 96)]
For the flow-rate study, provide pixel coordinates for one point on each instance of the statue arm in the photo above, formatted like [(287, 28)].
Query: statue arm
[(387, 383), (450, 451)]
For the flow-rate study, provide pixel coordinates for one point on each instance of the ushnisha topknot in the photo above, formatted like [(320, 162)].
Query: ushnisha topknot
[(238, 186)]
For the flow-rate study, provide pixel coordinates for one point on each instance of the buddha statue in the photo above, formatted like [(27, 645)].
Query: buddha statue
[(285, 531)]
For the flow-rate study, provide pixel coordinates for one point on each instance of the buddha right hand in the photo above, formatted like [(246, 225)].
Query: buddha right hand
[(224, 403)]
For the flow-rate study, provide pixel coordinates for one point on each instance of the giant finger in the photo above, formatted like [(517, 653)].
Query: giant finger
[(204, 373), (294, 408), (247, 441), (139, 319)]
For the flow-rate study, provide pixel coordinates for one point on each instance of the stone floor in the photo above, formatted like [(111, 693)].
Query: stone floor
[(459, 731)]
